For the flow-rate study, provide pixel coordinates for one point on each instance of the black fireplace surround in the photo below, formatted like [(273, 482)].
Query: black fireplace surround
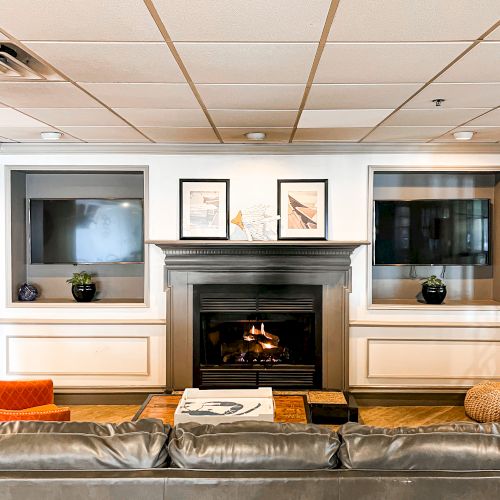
[(257, 335), (295, 295)]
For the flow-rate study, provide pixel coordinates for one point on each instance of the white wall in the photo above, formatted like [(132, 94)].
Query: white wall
[(253, 180)]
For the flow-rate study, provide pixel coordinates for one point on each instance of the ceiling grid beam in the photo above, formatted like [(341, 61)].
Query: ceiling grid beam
[(317, 57), (435, 77), (67, 79), (168, 40)]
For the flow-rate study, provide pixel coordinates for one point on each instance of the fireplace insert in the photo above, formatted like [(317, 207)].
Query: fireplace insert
[(257, 335)]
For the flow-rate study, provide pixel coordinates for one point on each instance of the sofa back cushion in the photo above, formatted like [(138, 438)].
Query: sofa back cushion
[(454, 446), (253, 445), (83, 445), (150, 425)]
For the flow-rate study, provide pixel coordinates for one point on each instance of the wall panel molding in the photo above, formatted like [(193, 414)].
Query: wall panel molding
[(77, 355), (445, 359)]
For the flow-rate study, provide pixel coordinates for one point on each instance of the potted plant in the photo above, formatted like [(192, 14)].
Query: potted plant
[(433, 290), (82, 288)]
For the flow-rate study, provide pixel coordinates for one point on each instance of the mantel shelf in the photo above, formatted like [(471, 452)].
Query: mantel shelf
[(256, 244)]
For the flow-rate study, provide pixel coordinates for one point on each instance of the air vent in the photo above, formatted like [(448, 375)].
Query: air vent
[(250, 304), (286, 305), (212, 304), (275, 377), (16, 65)]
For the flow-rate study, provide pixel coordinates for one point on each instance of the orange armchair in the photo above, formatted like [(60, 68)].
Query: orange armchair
[(30, 400)]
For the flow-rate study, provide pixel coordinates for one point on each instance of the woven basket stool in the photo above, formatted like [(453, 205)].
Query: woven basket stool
[(482, 402)]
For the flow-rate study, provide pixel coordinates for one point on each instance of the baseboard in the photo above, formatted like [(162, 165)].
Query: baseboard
[(409, 398), (112, 398)]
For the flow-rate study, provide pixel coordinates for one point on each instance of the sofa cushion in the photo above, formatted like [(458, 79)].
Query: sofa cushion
[(454, 446), (253, 445), (82, 445), (143, 425)]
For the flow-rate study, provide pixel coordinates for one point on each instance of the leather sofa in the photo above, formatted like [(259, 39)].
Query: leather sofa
[(247, 460)]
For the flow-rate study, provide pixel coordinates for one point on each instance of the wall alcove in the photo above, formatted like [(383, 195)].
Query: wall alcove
[(118, 283), (468, 286)]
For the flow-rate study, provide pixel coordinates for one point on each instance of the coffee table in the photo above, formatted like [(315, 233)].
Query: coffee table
[(289, 408)]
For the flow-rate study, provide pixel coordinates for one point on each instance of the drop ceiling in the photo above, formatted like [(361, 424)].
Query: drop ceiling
[(302, 71)]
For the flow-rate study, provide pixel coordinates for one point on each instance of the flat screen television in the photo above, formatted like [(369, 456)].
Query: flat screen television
[(86, 231), (432, 232)]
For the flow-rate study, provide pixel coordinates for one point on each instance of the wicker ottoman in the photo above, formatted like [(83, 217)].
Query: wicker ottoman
[(482, 402)]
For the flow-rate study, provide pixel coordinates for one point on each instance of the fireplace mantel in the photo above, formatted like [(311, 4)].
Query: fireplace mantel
[(189, 263), (246, 255)]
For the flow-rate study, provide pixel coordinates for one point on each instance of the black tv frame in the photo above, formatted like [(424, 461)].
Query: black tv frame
[(490, 233), (29, 239)]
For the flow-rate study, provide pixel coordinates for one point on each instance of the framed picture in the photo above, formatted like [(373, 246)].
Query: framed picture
[(303, 209), (204, 209)]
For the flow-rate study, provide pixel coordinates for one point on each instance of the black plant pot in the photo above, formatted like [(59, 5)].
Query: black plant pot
[(434, 294), (83, 293)]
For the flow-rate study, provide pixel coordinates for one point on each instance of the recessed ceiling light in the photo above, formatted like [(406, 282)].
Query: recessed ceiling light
[(255, 136), (50, 136), (463, 135)]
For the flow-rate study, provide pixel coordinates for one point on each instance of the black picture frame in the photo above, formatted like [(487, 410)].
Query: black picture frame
[(281, 236), (182, 231)]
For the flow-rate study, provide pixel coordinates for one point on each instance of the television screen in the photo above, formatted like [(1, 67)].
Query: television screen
[(86, 231), (425, 232)]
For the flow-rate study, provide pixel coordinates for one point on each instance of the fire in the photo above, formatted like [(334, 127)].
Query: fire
[(265, 339)]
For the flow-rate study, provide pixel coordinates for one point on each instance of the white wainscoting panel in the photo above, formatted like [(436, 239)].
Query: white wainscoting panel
[(405, 356), (427, 358), (77, 355)]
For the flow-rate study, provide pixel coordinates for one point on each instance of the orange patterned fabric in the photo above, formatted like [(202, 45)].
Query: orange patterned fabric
[(18, 395), (44, 412)]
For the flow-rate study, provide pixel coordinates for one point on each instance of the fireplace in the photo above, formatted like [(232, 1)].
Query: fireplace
[(217, 291), (257, 335)]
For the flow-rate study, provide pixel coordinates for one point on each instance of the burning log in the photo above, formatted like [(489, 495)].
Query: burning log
[(257, 346)]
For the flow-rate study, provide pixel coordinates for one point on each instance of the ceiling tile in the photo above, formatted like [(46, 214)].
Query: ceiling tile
[(252, 118), (241, 20), (433, 117), (251, 96), (458, 95), (405, 134), (45, 95), (31, 134), (105, 134), (384, 62), (143, 95), (332, 118), (481, 134), (247, 62), (12, 118), (325, 96), (164, 117), (348, 134), (111, 62), (410, 20), (481, 64), (237, 135), (121, 20), (494, 35), (176, 134), (74, 116), (491, 119)]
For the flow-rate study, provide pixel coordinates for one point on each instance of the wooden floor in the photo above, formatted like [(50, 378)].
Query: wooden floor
[(391, 416)]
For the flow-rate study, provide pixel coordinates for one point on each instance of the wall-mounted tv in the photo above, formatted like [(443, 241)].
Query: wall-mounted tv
[(86, 231), (432, 232)]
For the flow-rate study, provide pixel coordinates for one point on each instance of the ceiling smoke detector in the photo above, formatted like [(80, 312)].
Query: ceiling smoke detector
[(438, 102), (463, 135), (50, 136), (255, 136)]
